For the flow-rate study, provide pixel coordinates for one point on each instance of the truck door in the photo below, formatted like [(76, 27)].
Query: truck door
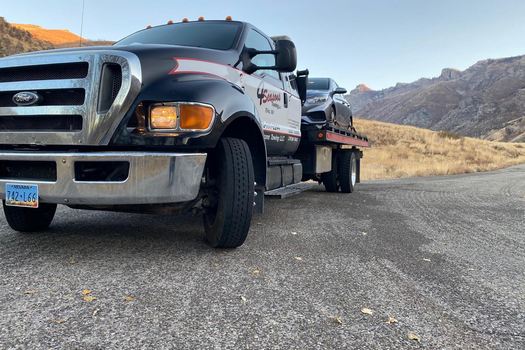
[(279, 109)]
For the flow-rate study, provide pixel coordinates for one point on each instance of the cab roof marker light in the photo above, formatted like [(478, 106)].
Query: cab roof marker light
[(185, 20), (201, 18), (148, 26), (229, 18), (170, 22)]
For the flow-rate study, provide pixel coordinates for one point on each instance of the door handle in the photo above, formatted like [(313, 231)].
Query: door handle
[(285, 100)]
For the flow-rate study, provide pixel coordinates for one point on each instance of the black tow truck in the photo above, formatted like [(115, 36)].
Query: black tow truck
[(200, 116)]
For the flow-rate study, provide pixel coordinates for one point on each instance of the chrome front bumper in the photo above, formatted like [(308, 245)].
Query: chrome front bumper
[(154, 178)]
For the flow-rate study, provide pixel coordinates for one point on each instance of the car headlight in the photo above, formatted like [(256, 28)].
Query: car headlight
[(183, 116), (316, 100)]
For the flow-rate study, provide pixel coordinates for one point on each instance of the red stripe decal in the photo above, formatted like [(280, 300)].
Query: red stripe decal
[(196, 72), (281, 133)]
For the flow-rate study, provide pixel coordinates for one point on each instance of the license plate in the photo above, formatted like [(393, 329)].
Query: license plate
[(21, 195)]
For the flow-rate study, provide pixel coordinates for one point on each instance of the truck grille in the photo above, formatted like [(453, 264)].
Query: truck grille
[(82, 97), (41, 123), (77, 70), (66, 97)]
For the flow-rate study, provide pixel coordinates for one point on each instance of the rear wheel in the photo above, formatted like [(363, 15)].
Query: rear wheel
[(330, 179), (230, 191), (29, 219), (348, 171)]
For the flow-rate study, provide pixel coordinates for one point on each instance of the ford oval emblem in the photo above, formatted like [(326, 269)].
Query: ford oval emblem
[(26, 98)]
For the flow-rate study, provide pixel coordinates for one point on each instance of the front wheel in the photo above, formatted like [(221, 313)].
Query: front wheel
[(29, 219), (228, 205)]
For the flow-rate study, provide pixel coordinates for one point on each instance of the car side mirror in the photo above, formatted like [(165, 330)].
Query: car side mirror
[(340, 91), (285, 57)]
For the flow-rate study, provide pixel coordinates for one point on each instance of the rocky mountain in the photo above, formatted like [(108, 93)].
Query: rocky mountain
[(14, 40), (486, 100)]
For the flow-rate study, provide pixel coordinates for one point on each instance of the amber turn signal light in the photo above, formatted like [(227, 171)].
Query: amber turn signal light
[(195, 117), (163, 117)]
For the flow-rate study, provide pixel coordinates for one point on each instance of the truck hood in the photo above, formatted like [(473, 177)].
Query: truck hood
[(156, 60)]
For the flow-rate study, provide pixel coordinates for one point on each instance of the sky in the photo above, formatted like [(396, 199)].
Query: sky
[(376, 42)]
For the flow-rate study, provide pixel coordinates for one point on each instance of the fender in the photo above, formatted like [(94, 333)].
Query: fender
[(236, 116), (229, 100)]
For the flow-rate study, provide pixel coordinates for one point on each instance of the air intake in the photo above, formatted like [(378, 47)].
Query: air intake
[(110, 84)]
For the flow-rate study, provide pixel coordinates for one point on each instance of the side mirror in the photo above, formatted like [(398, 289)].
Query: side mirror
[(340, 91), (285, 57), (301, 80)]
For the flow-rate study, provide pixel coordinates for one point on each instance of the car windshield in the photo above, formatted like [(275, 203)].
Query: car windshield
[(319, 84), (211, 35)]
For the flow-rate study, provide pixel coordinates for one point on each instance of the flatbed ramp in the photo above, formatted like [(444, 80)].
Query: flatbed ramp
[(292, 190)]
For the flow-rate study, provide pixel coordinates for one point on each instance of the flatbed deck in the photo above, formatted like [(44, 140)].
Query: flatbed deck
[(318, 135)]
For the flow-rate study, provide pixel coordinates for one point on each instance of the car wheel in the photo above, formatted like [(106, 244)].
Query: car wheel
[(29, 219), (332, 116), (228, 207)]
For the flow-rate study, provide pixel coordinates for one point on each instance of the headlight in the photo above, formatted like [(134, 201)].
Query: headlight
[(316, 100), (183, 116), (163, 117)]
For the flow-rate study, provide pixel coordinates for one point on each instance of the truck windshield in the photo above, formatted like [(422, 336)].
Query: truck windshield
[(318, 84), (211, 35)]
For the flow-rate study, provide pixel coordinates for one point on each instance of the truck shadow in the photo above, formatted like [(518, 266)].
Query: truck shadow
[(91, 232)]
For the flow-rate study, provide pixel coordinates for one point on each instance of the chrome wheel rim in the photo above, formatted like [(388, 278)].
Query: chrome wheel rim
[(354, 171)]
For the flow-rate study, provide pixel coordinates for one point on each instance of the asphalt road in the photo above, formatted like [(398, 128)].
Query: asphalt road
[(444, 256)]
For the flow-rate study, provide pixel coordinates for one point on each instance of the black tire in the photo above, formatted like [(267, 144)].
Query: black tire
[(227, 221), (348, 171), (29, 219), (331, 179)]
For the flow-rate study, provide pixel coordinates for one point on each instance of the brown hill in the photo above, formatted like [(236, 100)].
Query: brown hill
[(405, 151), (18, 38), (486, 100), (56, 37), (14, 40), (59, 38)]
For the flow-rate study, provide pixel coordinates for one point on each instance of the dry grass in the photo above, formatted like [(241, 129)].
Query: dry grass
[(404, 151)]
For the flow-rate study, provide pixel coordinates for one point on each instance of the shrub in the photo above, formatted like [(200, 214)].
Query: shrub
[(449, 135)]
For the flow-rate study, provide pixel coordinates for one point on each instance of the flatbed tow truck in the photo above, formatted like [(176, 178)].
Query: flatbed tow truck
[(201, 117)]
